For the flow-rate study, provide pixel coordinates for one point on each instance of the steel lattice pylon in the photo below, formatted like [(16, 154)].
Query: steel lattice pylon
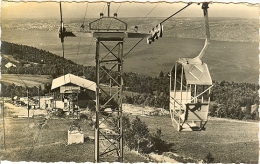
[(108, 126), (109, 69)]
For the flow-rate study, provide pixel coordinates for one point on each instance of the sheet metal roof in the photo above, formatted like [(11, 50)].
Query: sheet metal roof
[(196, 71), (70, 78)]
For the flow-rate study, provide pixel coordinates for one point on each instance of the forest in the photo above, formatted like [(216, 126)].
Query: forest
[(228, 99)]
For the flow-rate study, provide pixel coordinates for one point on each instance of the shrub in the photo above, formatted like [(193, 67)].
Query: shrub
[(209, 158), (158, 144), (58, 112), (135, 133), (83, 116)]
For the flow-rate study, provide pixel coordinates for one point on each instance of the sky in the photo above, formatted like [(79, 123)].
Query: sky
[(124, 9)]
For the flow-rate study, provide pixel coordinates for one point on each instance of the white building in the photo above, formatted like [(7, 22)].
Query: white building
[(70, 91)]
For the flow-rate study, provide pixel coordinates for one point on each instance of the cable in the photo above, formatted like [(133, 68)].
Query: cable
[(85, 13), (133, 47), (160, 23), (27, 90), (176, 12), (63, 69), (112, 19), (103, 10), (118, 7), (140, 23), (21, 80), (35, 140), (83, 26), (78, 53), (149, 12), (91, 43)]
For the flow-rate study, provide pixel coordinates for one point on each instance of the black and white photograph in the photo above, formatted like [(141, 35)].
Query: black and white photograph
[(129, 81)]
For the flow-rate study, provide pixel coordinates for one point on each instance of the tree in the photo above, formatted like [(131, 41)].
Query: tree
[(161, 74), (136, 134), (158, 144)]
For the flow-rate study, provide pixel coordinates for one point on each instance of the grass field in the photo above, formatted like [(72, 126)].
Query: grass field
[(25, 142), (29, 80), (226, 140)]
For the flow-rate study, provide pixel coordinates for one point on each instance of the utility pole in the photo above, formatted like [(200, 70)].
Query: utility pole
[(39, 96), (28, 102), (3, 110)]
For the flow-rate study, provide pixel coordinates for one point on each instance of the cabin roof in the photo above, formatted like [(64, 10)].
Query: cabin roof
[(196, 71), (72, 79)]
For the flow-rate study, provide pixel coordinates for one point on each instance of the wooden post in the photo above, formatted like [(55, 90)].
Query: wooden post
[(39, 97), (28, 102), (3, 110)]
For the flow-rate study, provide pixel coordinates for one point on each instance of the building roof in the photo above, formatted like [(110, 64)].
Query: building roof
[(196, 71), (70, 78), (9, 64)]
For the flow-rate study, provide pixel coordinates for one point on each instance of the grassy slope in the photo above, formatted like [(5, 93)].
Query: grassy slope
[(226, 141), (51, 145), (30, 80)]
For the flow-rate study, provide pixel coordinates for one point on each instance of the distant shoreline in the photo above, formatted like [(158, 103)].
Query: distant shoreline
[(4, 31)]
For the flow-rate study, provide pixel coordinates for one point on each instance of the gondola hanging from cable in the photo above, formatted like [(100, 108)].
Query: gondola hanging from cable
[(190, 86)]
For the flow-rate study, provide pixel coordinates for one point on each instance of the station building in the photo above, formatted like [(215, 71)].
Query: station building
[(72, 92)]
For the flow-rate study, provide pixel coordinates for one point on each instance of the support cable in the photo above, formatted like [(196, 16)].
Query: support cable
[(35, 140), (90, 46), (149, 13), (83, 26), (160, 23), (39, 131), (176, 12), (140, 23), (104, 8), (118, 7), (133, 47), (115, 12), (4, 110), (78, 52), (91, 43)]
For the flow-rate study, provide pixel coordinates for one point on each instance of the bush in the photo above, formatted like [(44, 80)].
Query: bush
[(83, 117), (209, 158), (158, 144), (58, 112), (135, 133)]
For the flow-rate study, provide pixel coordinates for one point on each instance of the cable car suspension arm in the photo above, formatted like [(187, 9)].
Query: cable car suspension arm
[(207, 41)]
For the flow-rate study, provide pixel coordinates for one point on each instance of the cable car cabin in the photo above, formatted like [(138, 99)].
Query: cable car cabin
[(190, 84)]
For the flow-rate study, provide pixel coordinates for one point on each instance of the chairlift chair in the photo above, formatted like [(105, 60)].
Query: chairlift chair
[(190, 85)]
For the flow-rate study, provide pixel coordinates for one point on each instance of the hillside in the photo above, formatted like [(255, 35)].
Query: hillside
[(227, 141), (152, 91)]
